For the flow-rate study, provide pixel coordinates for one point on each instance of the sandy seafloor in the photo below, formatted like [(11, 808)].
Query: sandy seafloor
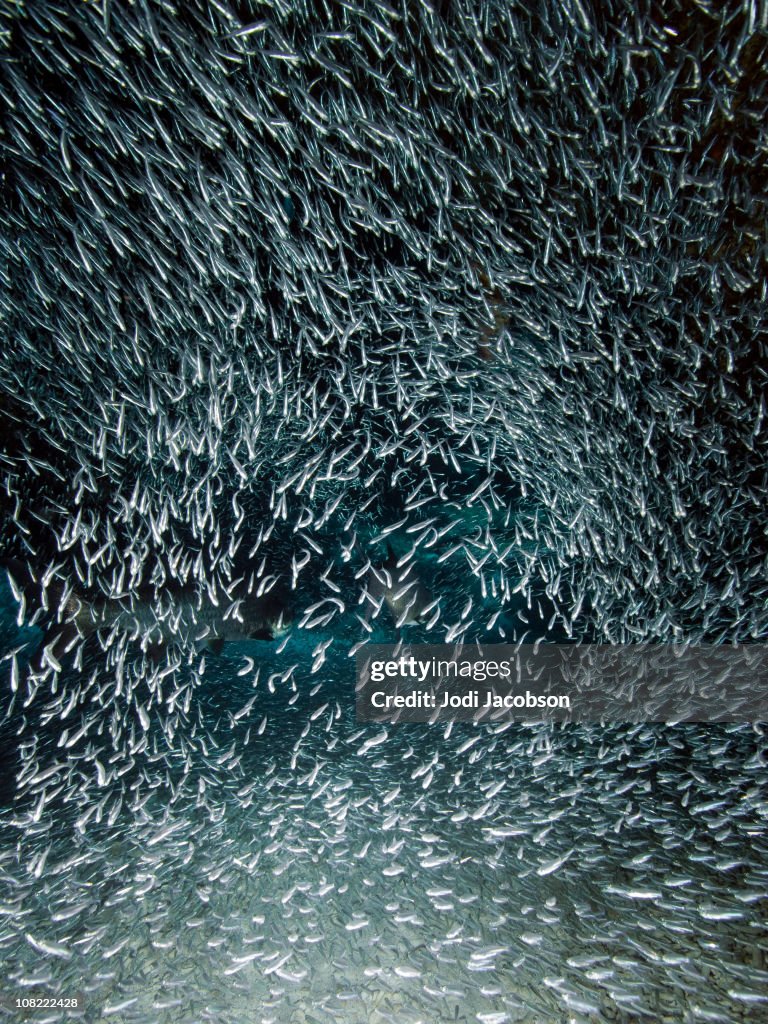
[(328, 871)]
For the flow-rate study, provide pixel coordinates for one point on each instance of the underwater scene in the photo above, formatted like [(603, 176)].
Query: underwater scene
[(333, 325)]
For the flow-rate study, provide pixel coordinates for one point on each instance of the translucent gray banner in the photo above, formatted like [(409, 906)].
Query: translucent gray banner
[(563, 683)]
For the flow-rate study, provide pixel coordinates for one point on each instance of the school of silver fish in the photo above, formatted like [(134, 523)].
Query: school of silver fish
[(363, 321)]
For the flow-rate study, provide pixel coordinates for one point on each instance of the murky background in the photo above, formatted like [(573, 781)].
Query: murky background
[(349, 322)]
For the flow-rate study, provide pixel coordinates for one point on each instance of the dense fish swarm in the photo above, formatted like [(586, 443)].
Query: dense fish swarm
[(346, 321)]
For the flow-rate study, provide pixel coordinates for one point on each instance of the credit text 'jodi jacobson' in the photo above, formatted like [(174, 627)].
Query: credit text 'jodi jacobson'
[(471, 699)]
